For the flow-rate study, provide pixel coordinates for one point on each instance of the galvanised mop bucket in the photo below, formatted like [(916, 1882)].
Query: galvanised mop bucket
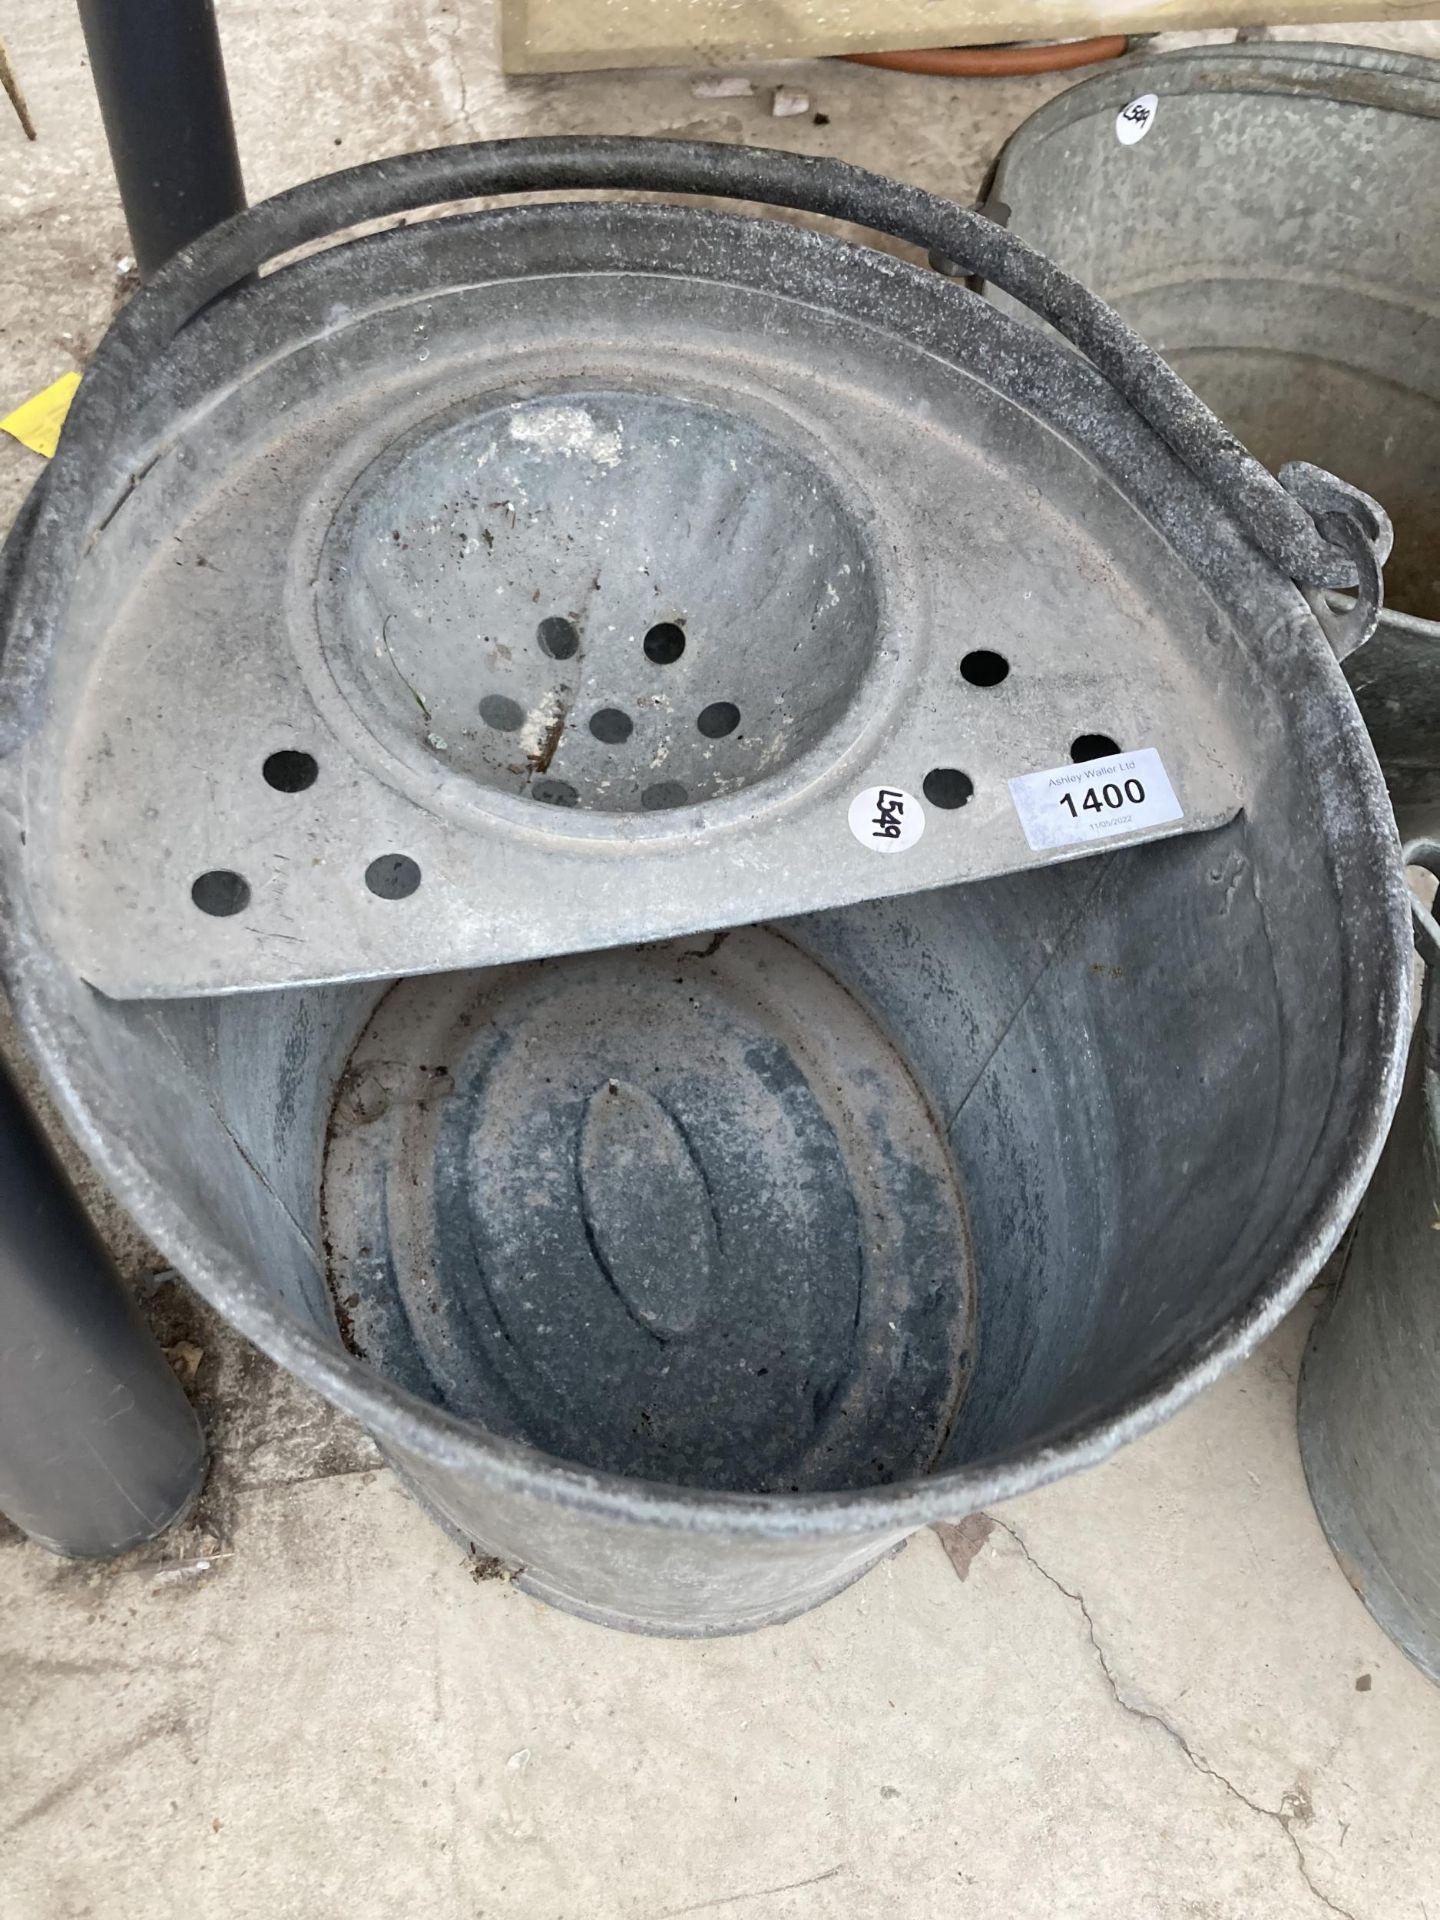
[(734, 898), (1370, 1385), (1268, 217)]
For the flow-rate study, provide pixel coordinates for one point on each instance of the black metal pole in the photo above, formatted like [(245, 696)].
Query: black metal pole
[(99, 1448), (160, 77)]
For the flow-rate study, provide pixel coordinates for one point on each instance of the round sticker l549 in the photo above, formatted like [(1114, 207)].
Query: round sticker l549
[(1132, 123), (886, 819)]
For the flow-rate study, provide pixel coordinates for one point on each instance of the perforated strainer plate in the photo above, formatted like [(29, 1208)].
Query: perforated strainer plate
[(574, 603)]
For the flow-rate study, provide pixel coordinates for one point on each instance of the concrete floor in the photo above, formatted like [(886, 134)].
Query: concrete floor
[(1146, 1692)]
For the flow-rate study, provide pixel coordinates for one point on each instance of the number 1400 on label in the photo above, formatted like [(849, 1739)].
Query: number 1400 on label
[(1063, 806), (1132, 794)]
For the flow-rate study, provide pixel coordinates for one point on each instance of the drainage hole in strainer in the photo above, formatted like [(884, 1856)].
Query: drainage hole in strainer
[(947, 788), (558, 637), (554, 793), (611, 725), (718, 719), (289, 771), (504, 714), (221, 893), (1093, 746), (393, 876), (664, 643), (982, 668), (665, 793)]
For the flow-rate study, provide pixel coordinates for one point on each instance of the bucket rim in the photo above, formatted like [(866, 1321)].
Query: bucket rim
[(1380, 79)]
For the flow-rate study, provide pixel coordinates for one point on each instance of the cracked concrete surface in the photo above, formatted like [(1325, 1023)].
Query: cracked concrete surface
[(1146, 1694), (1290, 1808)]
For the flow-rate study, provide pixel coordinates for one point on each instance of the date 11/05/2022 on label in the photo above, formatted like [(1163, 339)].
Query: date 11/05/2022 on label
[(1066, 806)]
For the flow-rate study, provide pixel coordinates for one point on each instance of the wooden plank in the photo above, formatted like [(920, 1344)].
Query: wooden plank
[(557, 36)]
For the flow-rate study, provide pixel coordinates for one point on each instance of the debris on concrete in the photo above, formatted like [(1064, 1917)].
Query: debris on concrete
[(37, 423), (963, 1539), (723, 86), (786, 102), (489, 1567), (9, 80), (185, 1358), (186, 1570)]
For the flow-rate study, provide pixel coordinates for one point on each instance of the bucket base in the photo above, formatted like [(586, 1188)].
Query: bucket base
[(624, 1622), (713, 1610), (679, 1213)]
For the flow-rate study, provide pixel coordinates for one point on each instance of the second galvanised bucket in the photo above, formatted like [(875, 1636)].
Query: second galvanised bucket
[(1370, 1384), (1268, 217), (394, 625)]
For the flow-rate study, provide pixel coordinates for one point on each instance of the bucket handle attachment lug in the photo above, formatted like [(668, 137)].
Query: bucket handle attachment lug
[(1425, 853), (1360, 526)]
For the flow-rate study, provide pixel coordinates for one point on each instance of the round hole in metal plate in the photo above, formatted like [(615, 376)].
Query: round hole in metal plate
[(290, 771), (982, 668), (392, 876), (664, 643), (558, 637), (502, 713), (1092, 746), (221, 893), (664, 793), (718, 719), (555, 793), (611, 725), (947, 788)]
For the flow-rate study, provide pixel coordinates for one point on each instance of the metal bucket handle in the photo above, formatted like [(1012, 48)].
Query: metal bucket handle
[(1424, 853), (1278, 524)]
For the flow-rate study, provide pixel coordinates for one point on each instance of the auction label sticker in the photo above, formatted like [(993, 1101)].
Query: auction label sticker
[(886, 819), (1064, 806), (1132, 123)]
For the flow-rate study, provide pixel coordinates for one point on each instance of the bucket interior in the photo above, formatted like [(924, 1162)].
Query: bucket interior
[(818, 1205)]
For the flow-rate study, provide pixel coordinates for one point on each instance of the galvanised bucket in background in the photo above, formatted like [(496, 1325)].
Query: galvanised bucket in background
[(731, 896), (1268, 218), (1370, 1385)]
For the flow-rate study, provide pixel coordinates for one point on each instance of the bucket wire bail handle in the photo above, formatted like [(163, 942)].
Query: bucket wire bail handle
[(225, 257), (1424, 853)]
